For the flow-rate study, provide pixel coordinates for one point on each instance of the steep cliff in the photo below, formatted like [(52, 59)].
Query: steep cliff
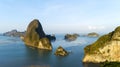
[(106, 48), (36, 37)]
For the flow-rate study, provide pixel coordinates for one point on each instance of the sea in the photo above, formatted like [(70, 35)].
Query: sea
[(14, 53)]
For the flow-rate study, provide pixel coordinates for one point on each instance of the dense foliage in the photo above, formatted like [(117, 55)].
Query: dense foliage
[(101, 42), (110, 64)]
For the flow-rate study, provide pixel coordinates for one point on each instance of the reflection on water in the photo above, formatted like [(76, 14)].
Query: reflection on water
[(34, 55), (37, 66), (91, 65), (9, 40), (15, 54)]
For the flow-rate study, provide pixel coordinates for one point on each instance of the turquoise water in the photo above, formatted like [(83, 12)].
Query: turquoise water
[(13, 53)]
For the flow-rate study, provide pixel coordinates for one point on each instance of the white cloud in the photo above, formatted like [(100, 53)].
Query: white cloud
[(96, 27)]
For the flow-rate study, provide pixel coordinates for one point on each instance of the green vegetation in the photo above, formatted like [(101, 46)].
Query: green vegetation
[(93, 34), (35, 34), (33, 38), (102, 41), (110, 64), (93, 48), (117, 29), (71, 37), (116, 36)]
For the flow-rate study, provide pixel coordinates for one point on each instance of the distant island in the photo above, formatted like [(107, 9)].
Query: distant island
[(106, 48), (93, 34), (14, 33), (71, 37)]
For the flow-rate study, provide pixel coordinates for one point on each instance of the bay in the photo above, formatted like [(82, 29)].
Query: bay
[(13, 53)]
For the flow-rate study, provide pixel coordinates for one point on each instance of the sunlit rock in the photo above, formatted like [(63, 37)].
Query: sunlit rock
[(36, 37), (61, 51), (106, 48)]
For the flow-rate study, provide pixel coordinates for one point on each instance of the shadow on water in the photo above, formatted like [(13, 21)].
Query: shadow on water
[(91, 65), (34, 51), (15, 54), (36, 57)]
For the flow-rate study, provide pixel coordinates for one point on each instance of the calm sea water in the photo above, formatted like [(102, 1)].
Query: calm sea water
[(13, 53)]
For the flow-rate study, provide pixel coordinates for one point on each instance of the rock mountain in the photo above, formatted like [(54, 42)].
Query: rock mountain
[(106, 48), (36, 37)]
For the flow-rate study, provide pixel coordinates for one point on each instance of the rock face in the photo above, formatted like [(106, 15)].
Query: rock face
[(14, 33), (71, 37), (106, 48), (51, 37), (61, 52), (36, 37), (93, 34)]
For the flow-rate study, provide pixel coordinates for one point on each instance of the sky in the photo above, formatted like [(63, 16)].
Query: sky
[(61, 16)]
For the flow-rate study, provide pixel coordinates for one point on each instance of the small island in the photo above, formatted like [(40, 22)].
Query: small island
[(93, 34), (71, 37), (60, 51), (14, 33), (36, 37)]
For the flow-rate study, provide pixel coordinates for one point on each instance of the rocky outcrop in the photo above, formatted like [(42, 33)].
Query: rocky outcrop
[(71, 37), (61, 52), (51, 37), (36, 37), (93, 34), (106, 48), (14, 33)]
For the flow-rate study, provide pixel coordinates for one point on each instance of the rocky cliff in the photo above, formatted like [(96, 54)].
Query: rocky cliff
[(106, 48), (51, 37), (36, 37)]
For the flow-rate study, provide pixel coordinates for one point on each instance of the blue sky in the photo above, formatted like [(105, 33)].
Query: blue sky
[(61, 16)]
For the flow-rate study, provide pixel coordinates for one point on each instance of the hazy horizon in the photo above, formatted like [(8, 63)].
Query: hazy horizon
[(61, 16)]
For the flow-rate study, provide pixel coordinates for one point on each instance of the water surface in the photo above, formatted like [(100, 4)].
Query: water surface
[(13, 53)]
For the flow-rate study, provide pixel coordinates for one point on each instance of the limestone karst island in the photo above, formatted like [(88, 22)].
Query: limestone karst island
[(106, 48), (36, 37), (59, 33), (103, 49)]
